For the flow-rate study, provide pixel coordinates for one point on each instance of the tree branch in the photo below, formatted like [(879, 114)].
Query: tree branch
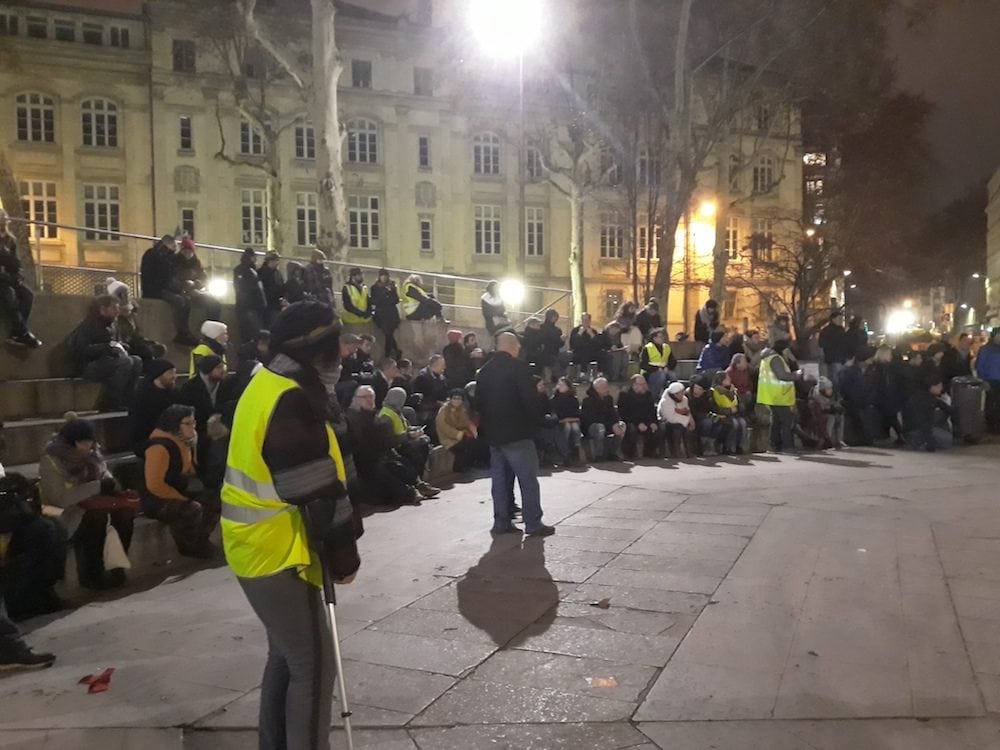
[(247, 8)]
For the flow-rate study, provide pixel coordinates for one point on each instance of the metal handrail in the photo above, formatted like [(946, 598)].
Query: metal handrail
[(236, 250)]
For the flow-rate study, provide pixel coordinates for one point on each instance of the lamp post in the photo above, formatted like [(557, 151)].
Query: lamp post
[(504, 29)]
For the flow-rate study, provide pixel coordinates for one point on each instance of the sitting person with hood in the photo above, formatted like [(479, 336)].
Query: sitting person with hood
[(410, 443), (826, 414), (75, 479), (214, 340), (714, 356), (927, 417), (637, 409), (459, 435), (727, 406), (601, 422), (679, 426)]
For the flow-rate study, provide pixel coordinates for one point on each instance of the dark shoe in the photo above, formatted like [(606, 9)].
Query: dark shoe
[(22, 659), (27, 340), (412, 497), (427, 490), (508, 530), (515, 511), (542, 530)]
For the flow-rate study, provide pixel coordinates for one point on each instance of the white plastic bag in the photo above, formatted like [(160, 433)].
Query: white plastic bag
[(114, 551)]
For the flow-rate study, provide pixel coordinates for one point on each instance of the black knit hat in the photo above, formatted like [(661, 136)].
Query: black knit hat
[(208, 363), (157, 367), (302, 324), (76, 430)]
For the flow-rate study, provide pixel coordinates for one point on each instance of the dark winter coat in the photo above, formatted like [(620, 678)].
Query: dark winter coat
[(92, 340), (10, 264), (434, 390), (835, 343), (597, 410), (273, 284), (249, 291), (552, 343), (647, 320), (458, 365), (318, 282), (637, 408), (156, 270), (147, 404), (507, 400), (385, 310), (586, 347), (713, 357), (186, 271), (565, 405)]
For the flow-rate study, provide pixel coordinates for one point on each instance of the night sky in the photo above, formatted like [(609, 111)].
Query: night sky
[(953, 59)]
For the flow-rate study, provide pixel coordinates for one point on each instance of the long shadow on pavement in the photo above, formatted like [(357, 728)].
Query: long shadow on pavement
[(844, 462), (510, 582)]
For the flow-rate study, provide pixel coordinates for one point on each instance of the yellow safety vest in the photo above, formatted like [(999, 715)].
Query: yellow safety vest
[(410, 305), (398, 422), (261, 534), (359, 298), (770, 390), (202, 350), (656, 357), (723, 400)]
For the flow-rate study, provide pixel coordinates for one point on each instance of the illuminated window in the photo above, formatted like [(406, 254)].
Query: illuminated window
[(486, 154), (101, 210), (763, 175), (36, 118), (100, 123), (612, 236)]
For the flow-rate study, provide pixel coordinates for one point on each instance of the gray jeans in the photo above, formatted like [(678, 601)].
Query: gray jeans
[(297, 692)]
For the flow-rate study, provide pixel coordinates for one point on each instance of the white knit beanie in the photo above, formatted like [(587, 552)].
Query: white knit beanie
[(117, 288), (212, 329)]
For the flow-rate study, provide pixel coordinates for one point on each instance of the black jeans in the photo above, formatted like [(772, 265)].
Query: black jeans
[(652, 442), (251, 322), (88, 542), (16, 302), (36, 560), (391, 347), (181, 306), (117, 375), (782, 424)]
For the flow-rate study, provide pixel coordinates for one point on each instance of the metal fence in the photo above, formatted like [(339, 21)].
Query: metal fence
[(459, 295)]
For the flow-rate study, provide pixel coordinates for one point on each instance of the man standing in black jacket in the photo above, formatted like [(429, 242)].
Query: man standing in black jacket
[(251, 305), (510, 417), (836, 345), (16, 298)]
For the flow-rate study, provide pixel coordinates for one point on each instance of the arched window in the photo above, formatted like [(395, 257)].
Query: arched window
[(36, 118), (486, 153), (100, 123), (362, 142)]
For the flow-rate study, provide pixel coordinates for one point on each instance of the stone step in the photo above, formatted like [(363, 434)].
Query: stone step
[(27, 437), (47, 397)]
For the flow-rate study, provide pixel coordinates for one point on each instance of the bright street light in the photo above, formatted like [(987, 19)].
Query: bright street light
[(899, 321), (964, 306), (512, 292), (907, 303), (977, 275), (847, 272), (854, 286), (707, 209), (506, 28), (218, 287), (810, 232)]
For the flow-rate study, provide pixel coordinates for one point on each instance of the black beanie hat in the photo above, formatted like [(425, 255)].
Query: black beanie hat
[(157, 367), (302, 324), (208, 363), (76, 430)]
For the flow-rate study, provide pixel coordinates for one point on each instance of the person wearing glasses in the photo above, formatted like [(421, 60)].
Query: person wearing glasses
[(173, 493)]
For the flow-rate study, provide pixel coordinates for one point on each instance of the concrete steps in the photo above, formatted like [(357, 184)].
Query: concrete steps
[(27, 437)]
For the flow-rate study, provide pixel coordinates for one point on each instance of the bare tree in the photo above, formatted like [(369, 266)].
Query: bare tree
[(10, 191)]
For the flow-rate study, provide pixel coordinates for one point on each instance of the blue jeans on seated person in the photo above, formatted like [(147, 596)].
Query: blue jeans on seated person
[(658, 381), (936, 439), (603, 442), (519, 460)]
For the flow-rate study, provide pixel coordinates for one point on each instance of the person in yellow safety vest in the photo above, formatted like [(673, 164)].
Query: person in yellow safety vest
[(657, 362), (357, 304), (284, 497), (410, 442), (214, 339), (776, 390), (418, 304)]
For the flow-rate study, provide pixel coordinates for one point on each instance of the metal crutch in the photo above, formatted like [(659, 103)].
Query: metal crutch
[(330, 595)]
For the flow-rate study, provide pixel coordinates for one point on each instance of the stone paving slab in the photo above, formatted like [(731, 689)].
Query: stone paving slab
[(820, 611)]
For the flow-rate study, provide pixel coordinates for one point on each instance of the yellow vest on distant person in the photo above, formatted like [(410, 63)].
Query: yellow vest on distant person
[(656, 357), (359, 298), (261, 534), (398, 422), (202, 350), (770, 390), (409, 304)]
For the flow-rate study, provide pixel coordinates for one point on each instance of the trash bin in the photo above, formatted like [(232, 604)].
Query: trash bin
[(968, 396)]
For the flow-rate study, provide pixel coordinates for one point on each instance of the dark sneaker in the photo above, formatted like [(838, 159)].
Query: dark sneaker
[(427, 490), (508, 530), (23, 659), (542, 530), (28, 340)]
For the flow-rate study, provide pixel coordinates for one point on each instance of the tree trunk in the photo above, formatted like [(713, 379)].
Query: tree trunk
[(275, 229), (664, 268), (576, 252), (720, 261), (327, 66), (10, 196)]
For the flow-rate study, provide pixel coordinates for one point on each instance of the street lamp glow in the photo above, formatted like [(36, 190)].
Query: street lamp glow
[(810, 232), (964, 306), (854, 286), (707, 209), (900, 321), (907, 303), (977, 275), (512, 292), (218, 287), (506, 28), (847, 272)]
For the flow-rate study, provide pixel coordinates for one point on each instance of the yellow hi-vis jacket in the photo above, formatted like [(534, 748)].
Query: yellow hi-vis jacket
[(261, 534), (359, 298), (770, 390), (398, 422), (202, 350), (658, 358), (409, 304)]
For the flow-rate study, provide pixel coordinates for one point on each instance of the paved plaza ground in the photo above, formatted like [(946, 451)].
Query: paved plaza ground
[(828, 601)]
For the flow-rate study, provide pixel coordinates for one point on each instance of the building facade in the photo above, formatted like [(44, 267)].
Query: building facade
[(124, 118), (993, 249)]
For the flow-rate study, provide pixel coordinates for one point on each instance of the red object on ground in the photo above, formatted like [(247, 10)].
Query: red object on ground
[(100, 683)]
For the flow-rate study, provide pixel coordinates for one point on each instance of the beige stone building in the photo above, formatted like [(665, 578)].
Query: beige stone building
[(993, 248), (118, 115)]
